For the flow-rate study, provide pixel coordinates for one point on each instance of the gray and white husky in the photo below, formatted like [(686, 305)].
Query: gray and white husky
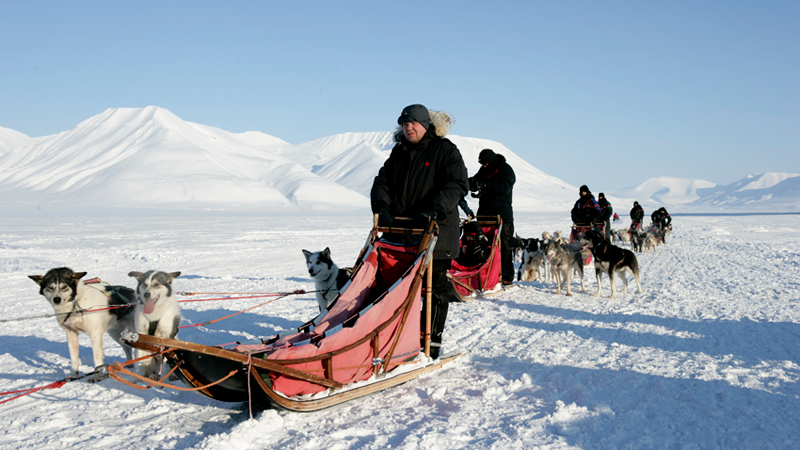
[(328, 277), (157, 314), (86, 307), (563, 258)]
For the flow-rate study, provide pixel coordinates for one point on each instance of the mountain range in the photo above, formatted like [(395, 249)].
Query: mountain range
[(149, 158)]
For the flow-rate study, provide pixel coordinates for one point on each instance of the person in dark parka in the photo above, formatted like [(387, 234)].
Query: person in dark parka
[(606, 211), (586, 210), (493, 185), (663, 220), (425, 177), (637, 215)]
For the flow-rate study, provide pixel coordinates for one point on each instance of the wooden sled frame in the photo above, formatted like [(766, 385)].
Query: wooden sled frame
[(235, 375)]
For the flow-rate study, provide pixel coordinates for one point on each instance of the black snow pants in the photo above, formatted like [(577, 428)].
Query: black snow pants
[(443, 293)]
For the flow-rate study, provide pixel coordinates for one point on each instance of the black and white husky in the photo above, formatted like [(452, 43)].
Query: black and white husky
[(157, 314), (532, 259), (328, 277), (87, 307), (610, 259)]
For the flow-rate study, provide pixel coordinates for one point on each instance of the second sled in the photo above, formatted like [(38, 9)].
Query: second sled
[(477, 279)]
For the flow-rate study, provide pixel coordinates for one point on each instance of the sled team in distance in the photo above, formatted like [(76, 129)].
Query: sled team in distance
[(553, 258)]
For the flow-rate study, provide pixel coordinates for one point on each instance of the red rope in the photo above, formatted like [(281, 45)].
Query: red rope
[(242, 311), (271, 294), (55, 385)]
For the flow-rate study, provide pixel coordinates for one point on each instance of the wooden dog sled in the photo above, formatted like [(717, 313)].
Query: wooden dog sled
[(366, 341), (483, 279)]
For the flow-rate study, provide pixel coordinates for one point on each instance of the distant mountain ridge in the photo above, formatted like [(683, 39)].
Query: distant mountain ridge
[(150, 158)]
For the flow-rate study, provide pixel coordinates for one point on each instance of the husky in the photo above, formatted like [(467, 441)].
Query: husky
[(610, 259), (328, 277), (157, 314), (564, 258), (623, 236), (548, 269), (532, 258), (649, 240), (517, 246), (637, 241), (88, 307)]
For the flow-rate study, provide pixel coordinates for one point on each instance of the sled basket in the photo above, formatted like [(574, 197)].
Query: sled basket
[(474, 281)]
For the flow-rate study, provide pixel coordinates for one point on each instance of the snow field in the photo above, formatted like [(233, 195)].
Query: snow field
[(707, 358)]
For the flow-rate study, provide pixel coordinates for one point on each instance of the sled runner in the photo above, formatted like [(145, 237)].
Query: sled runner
[(366, 341), (474, 276)]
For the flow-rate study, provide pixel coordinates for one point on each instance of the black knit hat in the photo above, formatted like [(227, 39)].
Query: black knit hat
[(601, 195), (415, 113), (585, 188), (486, 156)]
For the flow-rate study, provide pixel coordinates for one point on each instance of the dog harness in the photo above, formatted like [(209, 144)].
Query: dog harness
[(119, 297), (603, 253)]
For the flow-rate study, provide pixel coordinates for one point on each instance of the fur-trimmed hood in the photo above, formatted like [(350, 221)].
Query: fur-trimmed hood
[(440, 121)]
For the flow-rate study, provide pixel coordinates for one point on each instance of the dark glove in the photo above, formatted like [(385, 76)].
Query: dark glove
[(385, 219), (476, 194), (422, 219)]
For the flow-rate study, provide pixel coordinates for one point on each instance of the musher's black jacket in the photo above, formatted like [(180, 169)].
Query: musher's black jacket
[(428, 177)]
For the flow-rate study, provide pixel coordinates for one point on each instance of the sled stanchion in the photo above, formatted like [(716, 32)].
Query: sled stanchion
[(428, 295)]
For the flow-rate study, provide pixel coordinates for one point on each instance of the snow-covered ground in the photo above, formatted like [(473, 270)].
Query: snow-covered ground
[(707, 358)]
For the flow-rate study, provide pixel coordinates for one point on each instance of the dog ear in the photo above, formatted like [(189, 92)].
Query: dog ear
[(327, 251), (173, 275), (78, 275), (306, 253), (136, 275), (38, 279)]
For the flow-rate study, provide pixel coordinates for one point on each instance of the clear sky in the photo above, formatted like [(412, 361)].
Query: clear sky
[(607, 94)]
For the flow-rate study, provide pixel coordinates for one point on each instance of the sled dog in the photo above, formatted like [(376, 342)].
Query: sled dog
[(88, 307), (563, 258), (610, 259), (157, 314), (649, 240), (558, 236), (328, 277), (623, 236), (637, 241), (532, 258)]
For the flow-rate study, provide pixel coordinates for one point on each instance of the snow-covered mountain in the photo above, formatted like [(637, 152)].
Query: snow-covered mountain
[(770, 191), (150, 158), (10, 139), (665, 190), (766, 192)]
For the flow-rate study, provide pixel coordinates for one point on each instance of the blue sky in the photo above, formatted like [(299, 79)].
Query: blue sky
[(607, 94)]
